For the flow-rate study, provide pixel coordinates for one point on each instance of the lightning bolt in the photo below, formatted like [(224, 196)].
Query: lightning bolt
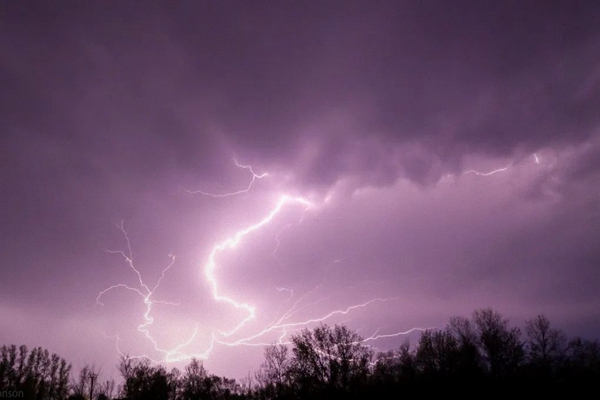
[(278, 238), (231, 243), (144, 291), (376, 335), (283, 324), (255, 176), (472, 171)]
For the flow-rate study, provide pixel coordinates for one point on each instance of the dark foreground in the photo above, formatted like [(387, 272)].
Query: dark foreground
[(481, 356)]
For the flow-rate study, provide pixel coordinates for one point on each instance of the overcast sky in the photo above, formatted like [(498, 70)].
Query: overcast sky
[(438, 157)]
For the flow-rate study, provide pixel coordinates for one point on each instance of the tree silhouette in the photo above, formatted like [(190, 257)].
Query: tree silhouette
[(192, 383), (196, 383), (143, 381), (437, 352), (469, 362), (393, 370), (274, 374), (546, 346), (500, 345), (87, 385), (582, 366), (38, 374), (328, 360)]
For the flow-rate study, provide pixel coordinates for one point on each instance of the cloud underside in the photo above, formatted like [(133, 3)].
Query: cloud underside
[(375, 92)]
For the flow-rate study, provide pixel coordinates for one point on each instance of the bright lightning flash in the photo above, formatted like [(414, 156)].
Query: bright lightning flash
[(472, 171), (283, 324), (231, 243), (255, 176), (143, 290)]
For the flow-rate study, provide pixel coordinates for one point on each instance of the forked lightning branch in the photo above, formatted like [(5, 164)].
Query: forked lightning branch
[(282, 325)]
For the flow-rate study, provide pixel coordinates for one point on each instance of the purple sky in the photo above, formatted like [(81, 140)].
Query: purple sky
[(389, 117)]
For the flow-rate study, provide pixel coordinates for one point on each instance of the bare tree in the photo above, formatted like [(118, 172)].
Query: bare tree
[(79, 386), (545, 345), (395, 366), (468, 359), (437, 352), (273, 376), (106, 390), (500, 345), (330, 358), (193, 383), (87, 384), (37, 373), (143, 381)]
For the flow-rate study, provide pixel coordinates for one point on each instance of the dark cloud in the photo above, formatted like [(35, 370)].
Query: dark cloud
[(459, 78)]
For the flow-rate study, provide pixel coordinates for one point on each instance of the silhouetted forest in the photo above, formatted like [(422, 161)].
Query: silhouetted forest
[(480, 356)]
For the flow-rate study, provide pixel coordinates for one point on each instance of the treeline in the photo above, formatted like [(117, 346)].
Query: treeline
[(34, 374), (466, 356), (463, 358)]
